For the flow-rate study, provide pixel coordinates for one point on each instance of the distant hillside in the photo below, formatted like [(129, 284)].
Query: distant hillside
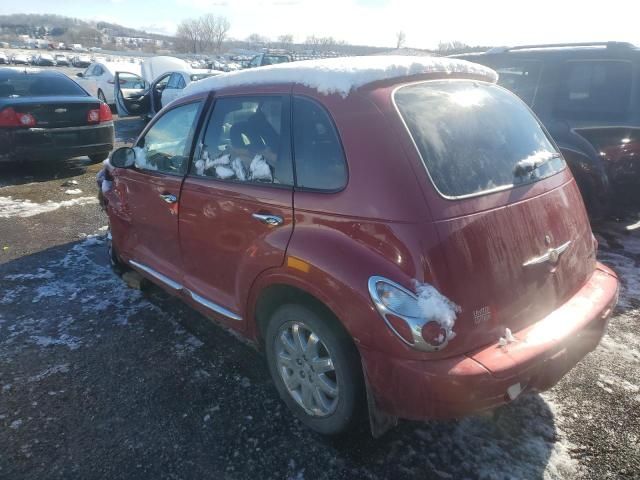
[(60, 28)]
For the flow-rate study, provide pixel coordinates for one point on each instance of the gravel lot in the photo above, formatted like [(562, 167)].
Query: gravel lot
[(101, 381)]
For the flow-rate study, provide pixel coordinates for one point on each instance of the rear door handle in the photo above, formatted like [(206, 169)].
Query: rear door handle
[(169, 197), (272, 220)]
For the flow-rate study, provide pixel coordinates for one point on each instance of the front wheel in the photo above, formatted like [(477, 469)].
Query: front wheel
[(316, 369)]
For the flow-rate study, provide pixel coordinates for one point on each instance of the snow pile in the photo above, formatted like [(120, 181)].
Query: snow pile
[(533, 161), (141, 159), (225, 169), (437, 308), (26, 208), (507, 339), (259, 169), (73, 191), (342, 75)]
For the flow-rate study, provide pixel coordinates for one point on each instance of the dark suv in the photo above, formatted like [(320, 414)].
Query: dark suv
[(588, 97)]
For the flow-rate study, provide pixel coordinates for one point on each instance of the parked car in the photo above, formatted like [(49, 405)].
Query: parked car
[(99, 78), (62, 60), (166, 77), (45, 115), (263, 59), (3, 58), (44, 60), (398, 228), (20, 59), (586, 97), (81, 61)]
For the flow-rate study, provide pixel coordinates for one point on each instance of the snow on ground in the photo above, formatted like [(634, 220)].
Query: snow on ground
[(10, 207), (341, 75)]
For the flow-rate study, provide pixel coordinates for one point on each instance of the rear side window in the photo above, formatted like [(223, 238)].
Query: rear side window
[(595, 90), (247, 140), (16, 84), (475, 137), (521, 78), (319, 159)]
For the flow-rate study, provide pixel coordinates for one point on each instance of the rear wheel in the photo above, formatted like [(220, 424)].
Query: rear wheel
[(315, 368), (100, 157)]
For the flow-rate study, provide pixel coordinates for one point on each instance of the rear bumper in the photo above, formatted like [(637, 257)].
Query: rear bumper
[(467, 384), (55, 143)]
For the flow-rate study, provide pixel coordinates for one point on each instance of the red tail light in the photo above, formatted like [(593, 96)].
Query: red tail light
[(10, 118), (99, 115)]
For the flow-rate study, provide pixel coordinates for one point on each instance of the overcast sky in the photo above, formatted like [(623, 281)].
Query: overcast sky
[(373, 22)]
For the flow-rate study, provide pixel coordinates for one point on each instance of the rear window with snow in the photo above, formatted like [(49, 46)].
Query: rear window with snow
[(475, 137)]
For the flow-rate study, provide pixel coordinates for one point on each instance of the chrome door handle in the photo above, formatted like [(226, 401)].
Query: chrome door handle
[(169, 198), (272, 220)]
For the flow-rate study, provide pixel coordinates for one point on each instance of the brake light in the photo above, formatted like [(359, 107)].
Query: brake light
[(105, 113), (10, 118), (99, 115)]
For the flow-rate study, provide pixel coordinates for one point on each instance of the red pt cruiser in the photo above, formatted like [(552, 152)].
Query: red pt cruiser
[(400, 234)]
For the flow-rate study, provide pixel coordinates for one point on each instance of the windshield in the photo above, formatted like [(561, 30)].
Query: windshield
[(475, 137)]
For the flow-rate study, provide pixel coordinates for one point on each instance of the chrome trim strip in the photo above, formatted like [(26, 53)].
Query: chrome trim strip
[(68, 129), (157, 275), (213, 306), (178, 287), (552, 256)]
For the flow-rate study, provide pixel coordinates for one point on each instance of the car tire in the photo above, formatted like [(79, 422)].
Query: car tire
[(329, 395), (101, 97), (114, 260), (100, 157)]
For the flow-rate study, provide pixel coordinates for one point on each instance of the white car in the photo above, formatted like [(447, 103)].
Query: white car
[(166, 77), (99, 78), (20, 59), (3, 58)]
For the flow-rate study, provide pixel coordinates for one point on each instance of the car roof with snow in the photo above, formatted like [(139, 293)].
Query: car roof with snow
[(344, 74)]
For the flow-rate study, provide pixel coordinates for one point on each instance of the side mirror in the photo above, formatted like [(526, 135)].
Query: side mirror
[(80, 74), (123, 157)]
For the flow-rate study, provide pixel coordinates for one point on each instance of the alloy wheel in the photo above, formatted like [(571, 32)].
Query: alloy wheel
[(306, 368)]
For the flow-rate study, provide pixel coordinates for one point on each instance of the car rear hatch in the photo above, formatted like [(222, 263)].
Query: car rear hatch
[(515, 241)]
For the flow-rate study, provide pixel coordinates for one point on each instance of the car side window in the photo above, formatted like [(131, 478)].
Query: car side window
[(89, 71), (595, 90), (521, 78), (173, 81), (165, 147), (98, 70), (247, 140), (319, 158), (181, 82)]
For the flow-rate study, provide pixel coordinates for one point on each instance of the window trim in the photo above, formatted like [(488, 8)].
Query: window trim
[(193, 135), (205, 119), (298, 188), (424, 165)]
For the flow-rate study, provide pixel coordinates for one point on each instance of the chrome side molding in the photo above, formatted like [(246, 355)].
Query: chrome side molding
[(214, 307)]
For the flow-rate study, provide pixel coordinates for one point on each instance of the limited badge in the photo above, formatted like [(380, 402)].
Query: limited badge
[(482, 315)]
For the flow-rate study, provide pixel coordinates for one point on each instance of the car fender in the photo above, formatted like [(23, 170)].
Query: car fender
[(335, 268)]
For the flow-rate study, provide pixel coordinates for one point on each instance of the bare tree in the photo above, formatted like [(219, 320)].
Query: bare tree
[(285, 41), (256, 40), (400, 39), (449, 48), (197, 35), (188, 35)]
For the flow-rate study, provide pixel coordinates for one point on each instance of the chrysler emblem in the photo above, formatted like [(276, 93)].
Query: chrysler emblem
[(552, 255), (60, 110)]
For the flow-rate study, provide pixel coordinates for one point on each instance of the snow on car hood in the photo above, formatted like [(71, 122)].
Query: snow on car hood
[(153, 67), (341, 75)]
